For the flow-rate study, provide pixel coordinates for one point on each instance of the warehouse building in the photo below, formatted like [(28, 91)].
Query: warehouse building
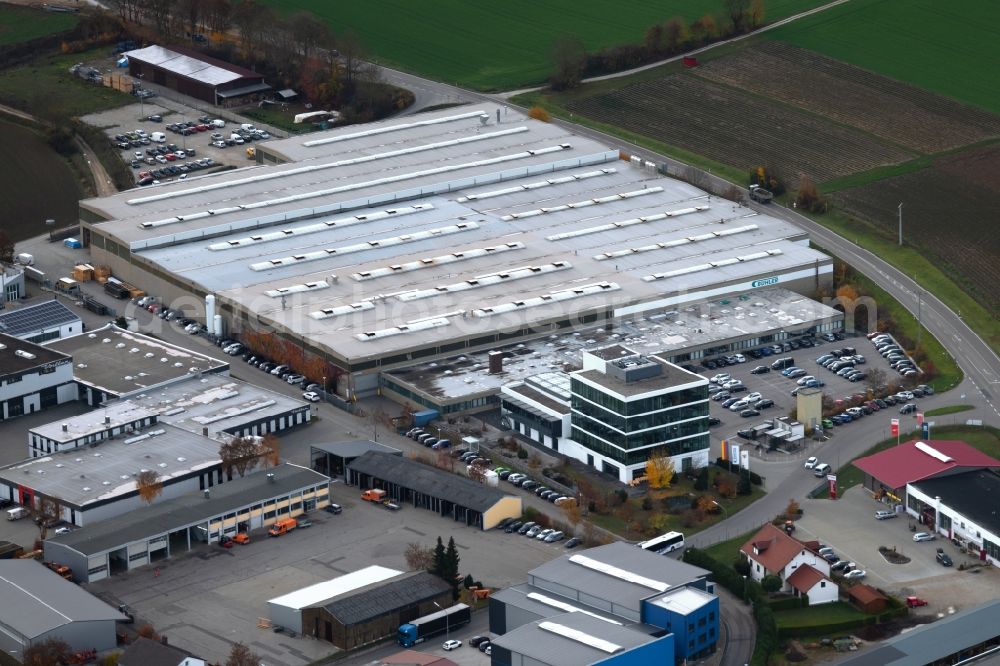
[(617, 588), (409, 241), (98, 482), (361, 607), (39, 321), (953, 639), (32, 377), (112, 362), (152, 533), (410, 483), (114, 420), (963, 507), (333, 458), (38, 606), (196, 75)]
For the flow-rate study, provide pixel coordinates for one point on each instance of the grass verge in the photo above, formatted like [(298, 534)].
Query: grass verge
[(950, 409), (727, 551), (813, 616), (22, 24), (985, 439)]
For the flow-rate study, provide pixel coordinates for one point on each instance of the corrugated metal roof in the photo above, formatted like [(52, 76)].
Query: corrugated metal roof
[(427, 480), (185, 65), (385, 597), (575, 647), (37, 600)]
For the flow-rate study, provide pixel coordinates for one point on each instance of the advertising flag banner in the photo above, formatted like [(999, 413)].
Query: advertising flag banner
[(925, 430), (920, 418), (745, 459), (895, 427), (724, 454), (832, 480), (734, 453)]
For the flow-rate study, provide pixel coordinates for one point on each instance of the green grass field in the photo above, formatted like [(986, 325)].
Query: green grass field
[(838, 611), (489, 46), (22, 24), (951, 50)]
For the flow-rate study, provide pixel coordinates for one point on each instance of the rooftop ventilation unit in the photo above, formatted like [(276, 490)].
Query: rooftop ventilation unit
[(537, 184), (583, 204)]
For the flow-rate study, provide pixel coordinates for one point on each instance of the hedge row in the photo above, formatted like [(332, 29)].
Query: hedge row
[(789, 603), (844, 625)]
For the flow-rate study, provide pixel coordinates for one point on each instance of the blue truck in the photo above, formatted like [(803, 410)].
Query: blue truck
[(420, 419), (427, 626)]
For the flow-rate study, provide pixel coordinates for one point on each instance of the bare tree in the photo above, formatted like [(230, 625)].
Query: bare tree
[(248, 17), (149, 485), (419, 557), (308, 32), (569, 60), (241, 655), (876, 378), (736, 10), (6, 248), (218, 15), (352, 55), (49, 512), (52, 652), (269, 450), (189, 12)]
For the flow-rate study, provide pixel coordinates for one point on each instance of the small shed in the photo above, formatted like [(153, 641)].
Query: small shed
[(868, 599), (286, 95)]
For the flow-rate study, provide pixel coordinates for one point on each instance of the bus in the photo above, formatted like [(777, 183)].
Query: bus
[(665, 543)]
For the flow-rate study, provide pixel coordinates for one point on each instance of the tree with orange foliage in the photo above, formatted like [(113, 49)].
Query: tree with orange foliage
[(149, 485)]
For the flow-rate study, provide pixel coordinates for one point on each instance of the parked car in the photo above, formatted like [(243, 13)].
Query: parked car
[(451, 644), (760, 370), (476, 641), (943, 558), (884, 515), (311, 396), (573, 543), (855, 574), (811, 462), (923, 536), (334, 509)]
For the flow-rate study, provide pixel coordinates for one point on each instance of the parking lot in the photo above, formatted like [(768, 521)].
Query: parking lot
[(213, 597), (773, 386), (848, 525), (199, 155)]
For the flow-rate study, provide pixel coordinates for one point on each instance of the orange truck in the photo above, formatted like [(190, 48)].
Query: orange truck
[(373, 495), (282, 526)]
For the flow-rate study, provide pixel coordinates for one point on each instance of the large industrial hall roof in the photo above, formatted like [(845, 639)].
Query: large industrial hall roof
[(401, 235)]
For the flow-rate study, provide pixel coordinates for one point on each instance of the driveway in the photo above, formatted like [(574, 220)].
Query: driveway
[(848, 526)]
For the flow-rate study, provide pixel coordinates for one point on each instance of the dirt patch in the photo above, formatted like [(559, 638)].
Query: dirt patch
[(950, 211), (905, 114), (732, 127)]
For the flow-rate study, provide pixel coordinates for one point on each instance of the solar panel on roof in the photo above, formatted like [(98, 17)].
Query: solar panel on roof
[(33, 318)]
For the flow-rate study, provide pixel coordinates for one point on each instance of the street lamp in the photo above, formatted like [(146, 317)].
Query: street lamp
[(744, 588), (324, 387), (447, 621), (142, 107)]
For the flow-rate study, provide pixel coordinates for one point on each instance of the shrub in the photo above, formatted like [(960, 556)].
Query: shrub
[(741, 566), (647, 504), (538, 113), (701, 483), (771, 584), (522, 454), (622, 495)]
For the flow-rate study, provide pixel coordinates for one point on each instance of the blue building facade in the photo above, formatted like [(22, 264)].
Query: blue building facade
[(691, 615)]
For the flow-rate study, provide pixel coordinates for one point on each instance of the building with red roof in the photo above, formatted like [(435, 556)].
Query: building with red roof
[(888, 472), (772, 552)]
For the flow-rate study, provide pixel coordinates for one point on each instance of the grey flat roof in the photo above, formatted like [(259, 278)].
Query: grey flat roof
[(111, 416), (121, 362), (386, 242), (354, 448), (975, 495), (37, 600), (386, 597), (428, 480), (35, 317), (86, 475), (167, 515), (671, 376), (217, 402), (17, 355), (146, 652), (548, 647), (545, 604), (663, 570), (929, 642)]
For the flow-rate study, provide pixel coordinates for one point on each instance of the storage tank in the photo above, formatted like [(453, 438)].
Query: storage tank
[(210, 313), (217, 325)]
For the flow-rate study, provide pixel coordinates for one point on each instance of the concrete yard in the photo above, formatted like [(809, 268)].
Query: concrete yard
[(213, 597), (849, 527)]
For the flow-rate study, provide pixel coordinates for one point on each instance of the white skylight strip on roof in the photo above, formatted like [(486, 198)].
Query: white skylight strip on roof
[(394, 128), (233, 412), (625, 223), (555, 296), (486, 280), (424, 325), (354, 186), (297, 288), (674, 243), (340, 310), (617, 572), (431, 262), (934, 453), (269, 175), (534, 186), (317, 227), (583, 204), (580, 637), (569, 608), (361, 247), (711, 264)]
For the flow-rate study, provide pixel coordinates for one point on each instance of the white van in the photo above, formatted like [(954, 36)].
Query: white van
[(247, 127), (821, 470), (218, 122), (17, 513), (158, 137)]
